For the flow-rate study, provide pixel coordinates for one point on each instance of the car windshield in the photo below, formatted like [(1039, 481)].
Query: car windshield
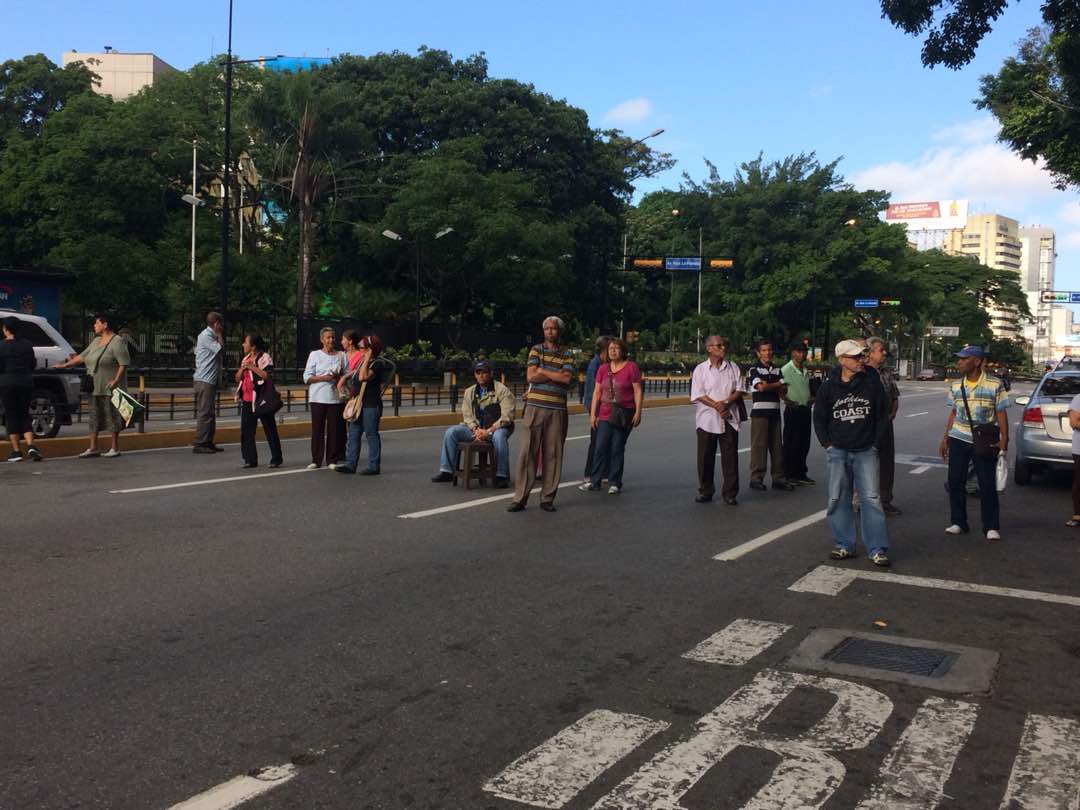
[(1066, 385)]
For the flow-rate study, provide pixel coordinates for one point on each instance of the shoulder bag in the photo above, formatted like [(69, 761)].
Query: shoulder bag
[(621, 418), (267, 401), (983, 436), (355, 405)]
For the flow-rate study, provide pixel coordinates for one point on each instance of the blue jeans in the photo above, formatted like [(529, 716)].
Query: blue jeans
[(459, 433), (858, 467), (367, 423), (610, 454)]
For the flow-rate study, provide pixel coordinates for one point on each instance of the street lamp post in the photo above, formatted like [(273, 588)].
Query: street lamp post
[(396, 237), (193, 200)]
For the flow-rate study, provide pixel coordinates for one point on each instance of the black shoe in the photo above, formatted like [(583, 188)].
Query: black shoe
[(515, 507), (548, 507), (443, 478), (215, 448), (731, 502), (502, 483), (15, 456), (783, 485), (802, 480), (891, 511), (345, 468), (34, 453), (275, 464), (247, 465), (703, 499), (758, 485), (369, 471), (202, 449)]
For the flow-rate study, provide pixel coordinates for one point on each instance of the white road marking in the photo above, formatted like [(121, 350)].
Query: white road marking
[(920, 413), (553, 773), (1044, 772), (454, 507), (741, 450), (807, 774), (575, 438), (830, 581), (237, 791), (920, 469), (204, 482), (752, 545), (737, 643), (915, 771), (919, 461)]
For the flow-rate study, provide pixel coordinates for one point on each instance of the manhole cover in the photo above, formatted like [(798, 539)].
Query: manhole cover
[(861, 652)]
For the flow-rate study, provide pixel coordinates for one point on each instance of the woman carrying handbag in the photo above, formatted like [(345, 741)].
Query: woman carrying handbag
[(258, 400), (614, 411)]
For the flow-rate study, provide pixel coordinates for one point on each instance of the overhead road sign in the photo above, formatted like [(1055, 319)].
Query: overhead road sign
[(1052, 297), (866, 303), (647, 264), (890, 302), (683, 263), (721, 264), (944, 331)]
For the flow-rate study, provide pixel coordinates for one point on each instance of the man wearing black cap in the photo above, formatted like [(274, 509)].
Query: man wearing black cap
[(487, 412), (976, 432)]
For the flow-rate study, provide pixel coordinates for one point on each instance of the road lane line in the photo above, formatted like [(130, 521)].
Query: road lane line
[(828, 580), (575, 438), (183, 484), (1044, 771), (556, 771), (920, 469), (920, 413), (737, 643), (741, 450), (918, 767), (753, 545), (454, 507), (237, 791)]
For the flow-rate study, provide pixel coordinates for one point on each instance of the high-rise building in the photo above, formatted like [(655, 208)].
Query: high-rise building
[(122, 74), (1037, 257), (995, 241)]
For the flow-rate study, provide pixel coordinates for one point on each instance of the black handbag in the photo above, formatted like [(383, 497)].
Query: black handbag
[(267, 400), (621, 418), (983, 436)]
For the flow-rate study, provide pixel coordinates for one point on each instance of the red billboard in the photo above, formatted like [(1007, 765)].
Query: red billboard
[(920, 210)]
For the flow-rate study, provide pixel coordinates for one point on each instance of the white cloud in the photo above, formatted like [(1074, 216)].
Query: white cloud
[(978, 130), (631, 111), (1069, 236)]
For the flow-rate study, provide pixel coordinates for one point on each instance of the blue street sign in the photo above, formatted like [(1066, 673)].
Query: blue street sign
[(682, 263), (866, 303), (1074, 298)]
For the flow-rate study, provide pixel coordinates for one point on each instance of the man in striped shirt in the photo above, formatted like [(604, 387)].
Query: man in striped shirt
[(549, 372), (766, 384)]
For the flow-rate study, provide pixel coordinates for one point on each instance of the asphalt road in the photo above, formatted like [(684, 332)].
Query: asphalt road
[(171, 623)]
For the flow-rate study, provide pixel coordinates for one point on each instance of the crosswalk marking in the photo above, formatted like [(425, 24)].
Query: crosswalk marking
[(915, 771), (556, 771), (1044, 774), (237, 791), (737, 643)]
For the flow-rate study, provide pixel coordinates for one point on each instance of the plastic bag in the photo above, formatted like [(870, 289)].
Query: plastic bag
[(1002, 472)]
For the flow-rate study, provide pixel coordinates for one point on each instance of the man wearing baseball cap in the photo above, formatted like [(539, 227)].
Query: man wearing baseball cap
[(851, 417), (976, 431), (487, 412)]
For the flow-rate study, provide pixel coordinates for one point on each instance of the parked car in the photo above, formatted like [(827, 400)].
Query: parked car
[(1045, 440), (931, 373), (56, 393)]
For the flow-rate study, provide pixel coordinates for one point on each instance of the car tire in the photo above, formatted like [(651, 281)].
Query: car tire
[(1022, 472), (44, 414)]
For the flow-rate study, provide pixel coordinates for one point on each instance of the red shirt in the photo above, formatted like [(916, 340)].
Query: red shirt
[(623, 380)]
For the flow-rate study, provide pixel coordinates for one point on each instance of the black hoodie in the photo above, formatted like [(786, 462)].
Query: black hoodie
[(851, 415)]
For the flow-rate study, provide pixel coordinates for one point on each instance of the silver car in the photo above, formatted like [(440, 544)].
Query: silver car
[(1045, 440)]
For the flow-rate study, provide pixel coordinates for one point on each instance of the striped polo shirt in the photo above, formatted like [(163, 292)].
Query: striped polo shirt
[(549, 394), (985, 399), (766, 403)]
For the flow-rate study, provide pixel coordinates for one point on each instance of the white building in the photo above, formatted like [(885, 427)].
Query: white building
[(122, 74), (1037, 261)]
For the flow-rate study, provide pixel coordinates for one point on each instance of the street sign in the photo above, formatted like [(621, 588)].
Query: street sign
[(890, 302), (866, 303), (683, 263), (1052, 297), (721, 264), (944, 331), (648, 264)]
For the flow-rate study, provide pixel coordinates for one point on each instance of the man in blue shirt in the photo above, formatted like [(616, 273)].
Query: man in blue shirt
[(208, 359)]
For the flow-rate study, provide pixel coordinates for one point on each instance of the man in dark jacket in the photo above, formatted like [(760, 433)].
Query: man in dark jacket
[(17, 365), (851, 418)]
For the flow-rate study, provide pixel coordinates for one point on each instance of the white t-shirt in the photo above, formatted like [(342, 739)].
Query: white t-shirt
[(318, 364), (1075, 406)]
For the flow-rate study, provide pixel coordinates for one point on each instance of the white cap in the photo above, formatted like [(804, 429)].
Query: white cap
[(849, 348)]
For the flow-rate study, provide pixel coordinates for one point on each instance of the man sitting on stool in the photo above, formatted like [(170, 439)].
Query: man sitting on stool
[(487, 412)]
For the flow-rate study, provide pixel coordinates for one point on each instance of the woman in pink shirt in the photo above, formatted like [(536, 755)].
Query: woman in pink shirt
[(256, 370), (614, 411)]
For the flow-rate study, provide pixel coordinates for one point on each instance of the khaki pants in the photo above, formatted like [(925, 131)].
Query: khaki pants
[(205, 413), (765, 443), (543, 430)]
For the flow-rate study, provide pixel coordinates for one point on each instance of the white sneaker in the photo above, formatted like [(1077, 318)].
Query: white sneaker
[(313, 466), (614, 490), (88, 453), (993, 534), (113, 453), (333, 465), (955, 529)]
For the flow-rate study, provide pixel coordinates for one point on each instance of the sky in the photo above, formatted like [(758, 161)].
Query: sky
[(726, 80)]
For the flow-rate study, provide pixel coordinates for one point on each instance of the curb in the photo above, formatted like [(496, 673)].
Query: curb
[(160, 439)]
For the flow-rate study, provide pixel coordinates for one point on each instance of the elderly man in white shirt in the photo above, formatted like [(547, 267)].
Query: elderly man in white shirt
[(715, 389)]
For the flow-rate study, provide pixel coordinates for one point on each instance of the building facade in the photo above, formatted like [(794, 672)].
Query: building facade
[(995, 241), (122, 74), (1037, 259)]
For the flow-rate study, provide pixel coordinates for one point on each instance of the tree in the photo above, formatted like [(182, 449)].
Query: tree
[(33, 88)]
